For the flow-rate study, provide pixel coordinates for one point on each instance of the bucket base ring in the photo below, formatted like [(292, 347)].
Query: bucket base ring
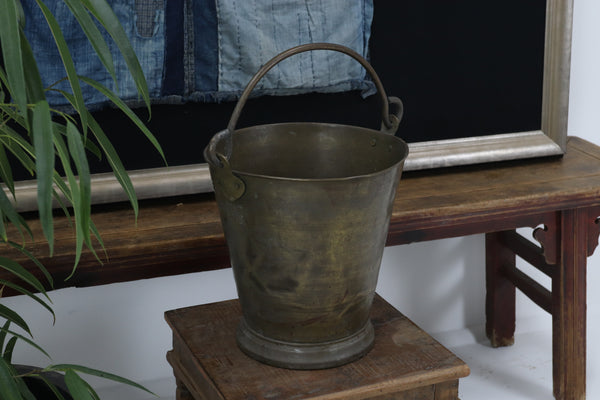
[(294, 355)]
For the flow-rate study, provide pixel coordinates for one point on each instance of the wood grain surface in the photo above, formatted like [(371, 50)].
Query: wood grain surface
[(404, 359)]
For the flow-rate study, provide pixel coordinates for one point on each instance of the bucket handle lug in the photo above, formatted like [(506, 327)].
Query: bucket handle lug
[(232, 186), (395, 118)]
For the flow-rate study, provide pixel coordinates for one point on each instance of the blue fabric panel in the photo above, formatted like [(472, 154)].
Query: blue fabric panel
[(148, 45), (148, 48), (208, 50), (247, 39), (205, 46), (173, 81), (46, 53)]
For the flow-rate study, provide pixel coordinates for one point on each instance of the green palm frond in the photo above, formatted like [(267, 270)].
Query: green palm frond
[(54, 147)]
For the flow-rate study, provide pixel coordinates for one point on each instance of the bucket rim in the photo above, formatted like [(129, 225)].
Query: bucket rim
[(372, 130), (338, 179), (225, 134)]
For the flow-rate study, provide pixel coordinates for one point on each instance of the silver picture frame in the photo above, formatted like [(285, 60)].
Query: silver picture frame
[(549, 140)]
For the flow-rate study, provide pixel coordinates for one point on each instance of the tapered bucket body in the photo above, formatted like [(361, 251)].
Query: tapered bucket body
[(305, 208)]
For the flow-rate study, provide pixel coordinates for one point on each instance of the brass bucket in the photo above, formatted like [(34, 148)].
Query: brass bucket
[(305, 208)]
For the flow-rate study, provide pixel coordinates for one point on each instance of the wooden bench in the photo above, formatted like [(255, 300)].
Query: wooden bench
[(560, 195)]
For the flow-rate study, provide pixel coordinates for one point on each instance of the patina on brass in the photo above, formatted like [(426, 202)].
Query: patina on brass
[(305, 208)]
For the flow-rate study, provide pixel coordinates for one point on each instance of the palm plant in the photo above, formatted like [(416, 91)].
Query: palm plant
[(45, 141)]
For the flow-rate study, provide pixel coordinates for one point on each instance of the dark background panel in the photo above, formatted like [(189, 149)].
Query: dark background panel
[(462, 68)]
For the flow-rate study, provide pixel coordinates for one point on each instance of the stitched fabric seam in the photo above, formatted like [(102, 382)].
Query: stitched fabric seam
[(188, 50), (238, 36), (260, 49), (310, 38), (278, 82), (219, 45)]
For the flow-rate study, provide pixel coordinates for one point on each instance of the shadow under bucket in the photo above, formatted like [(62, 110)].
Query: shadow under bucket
[(305, 208)]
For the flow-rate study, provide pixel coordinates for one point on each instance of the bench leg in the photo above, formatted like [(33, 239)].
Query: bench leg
[(500, 292), (569, 305), (575, 238), (569, 237)]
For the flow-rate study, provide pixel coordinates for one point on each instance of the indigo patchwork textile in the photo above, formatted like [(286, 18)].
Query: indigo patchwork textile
[(207, 50), (148, 43)]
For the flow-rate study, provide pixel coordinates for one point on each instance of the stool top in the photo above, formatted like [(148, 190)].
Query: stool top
[(206, 356)]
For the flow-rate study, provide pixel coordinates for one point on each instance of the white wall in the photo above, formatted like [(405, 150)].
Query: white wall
[(440, 285)]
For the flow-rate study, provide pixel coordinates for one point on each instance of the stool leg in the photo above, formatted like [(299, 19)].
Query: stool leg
[(500, 292), (446, 391), (182, 392)]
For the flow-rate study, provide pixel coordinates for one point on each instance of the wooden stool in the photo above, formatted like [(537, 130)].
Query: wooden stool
[(405, 362)]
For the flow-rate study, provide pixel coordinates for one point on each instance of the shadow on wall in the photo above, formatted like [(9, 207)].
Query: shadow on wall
[(440, 285)]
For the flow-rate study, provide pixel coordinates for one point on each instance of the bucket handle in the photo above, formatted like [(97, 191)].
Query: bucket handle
[(390, 122)]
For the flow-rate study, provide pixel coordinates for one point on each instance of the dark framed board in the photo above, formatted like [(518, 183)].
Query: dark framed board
[(481, 82)]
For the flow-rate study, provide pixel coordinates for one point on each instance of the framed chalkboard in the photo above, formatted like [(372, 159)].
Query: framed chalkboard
[(481, 81)]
